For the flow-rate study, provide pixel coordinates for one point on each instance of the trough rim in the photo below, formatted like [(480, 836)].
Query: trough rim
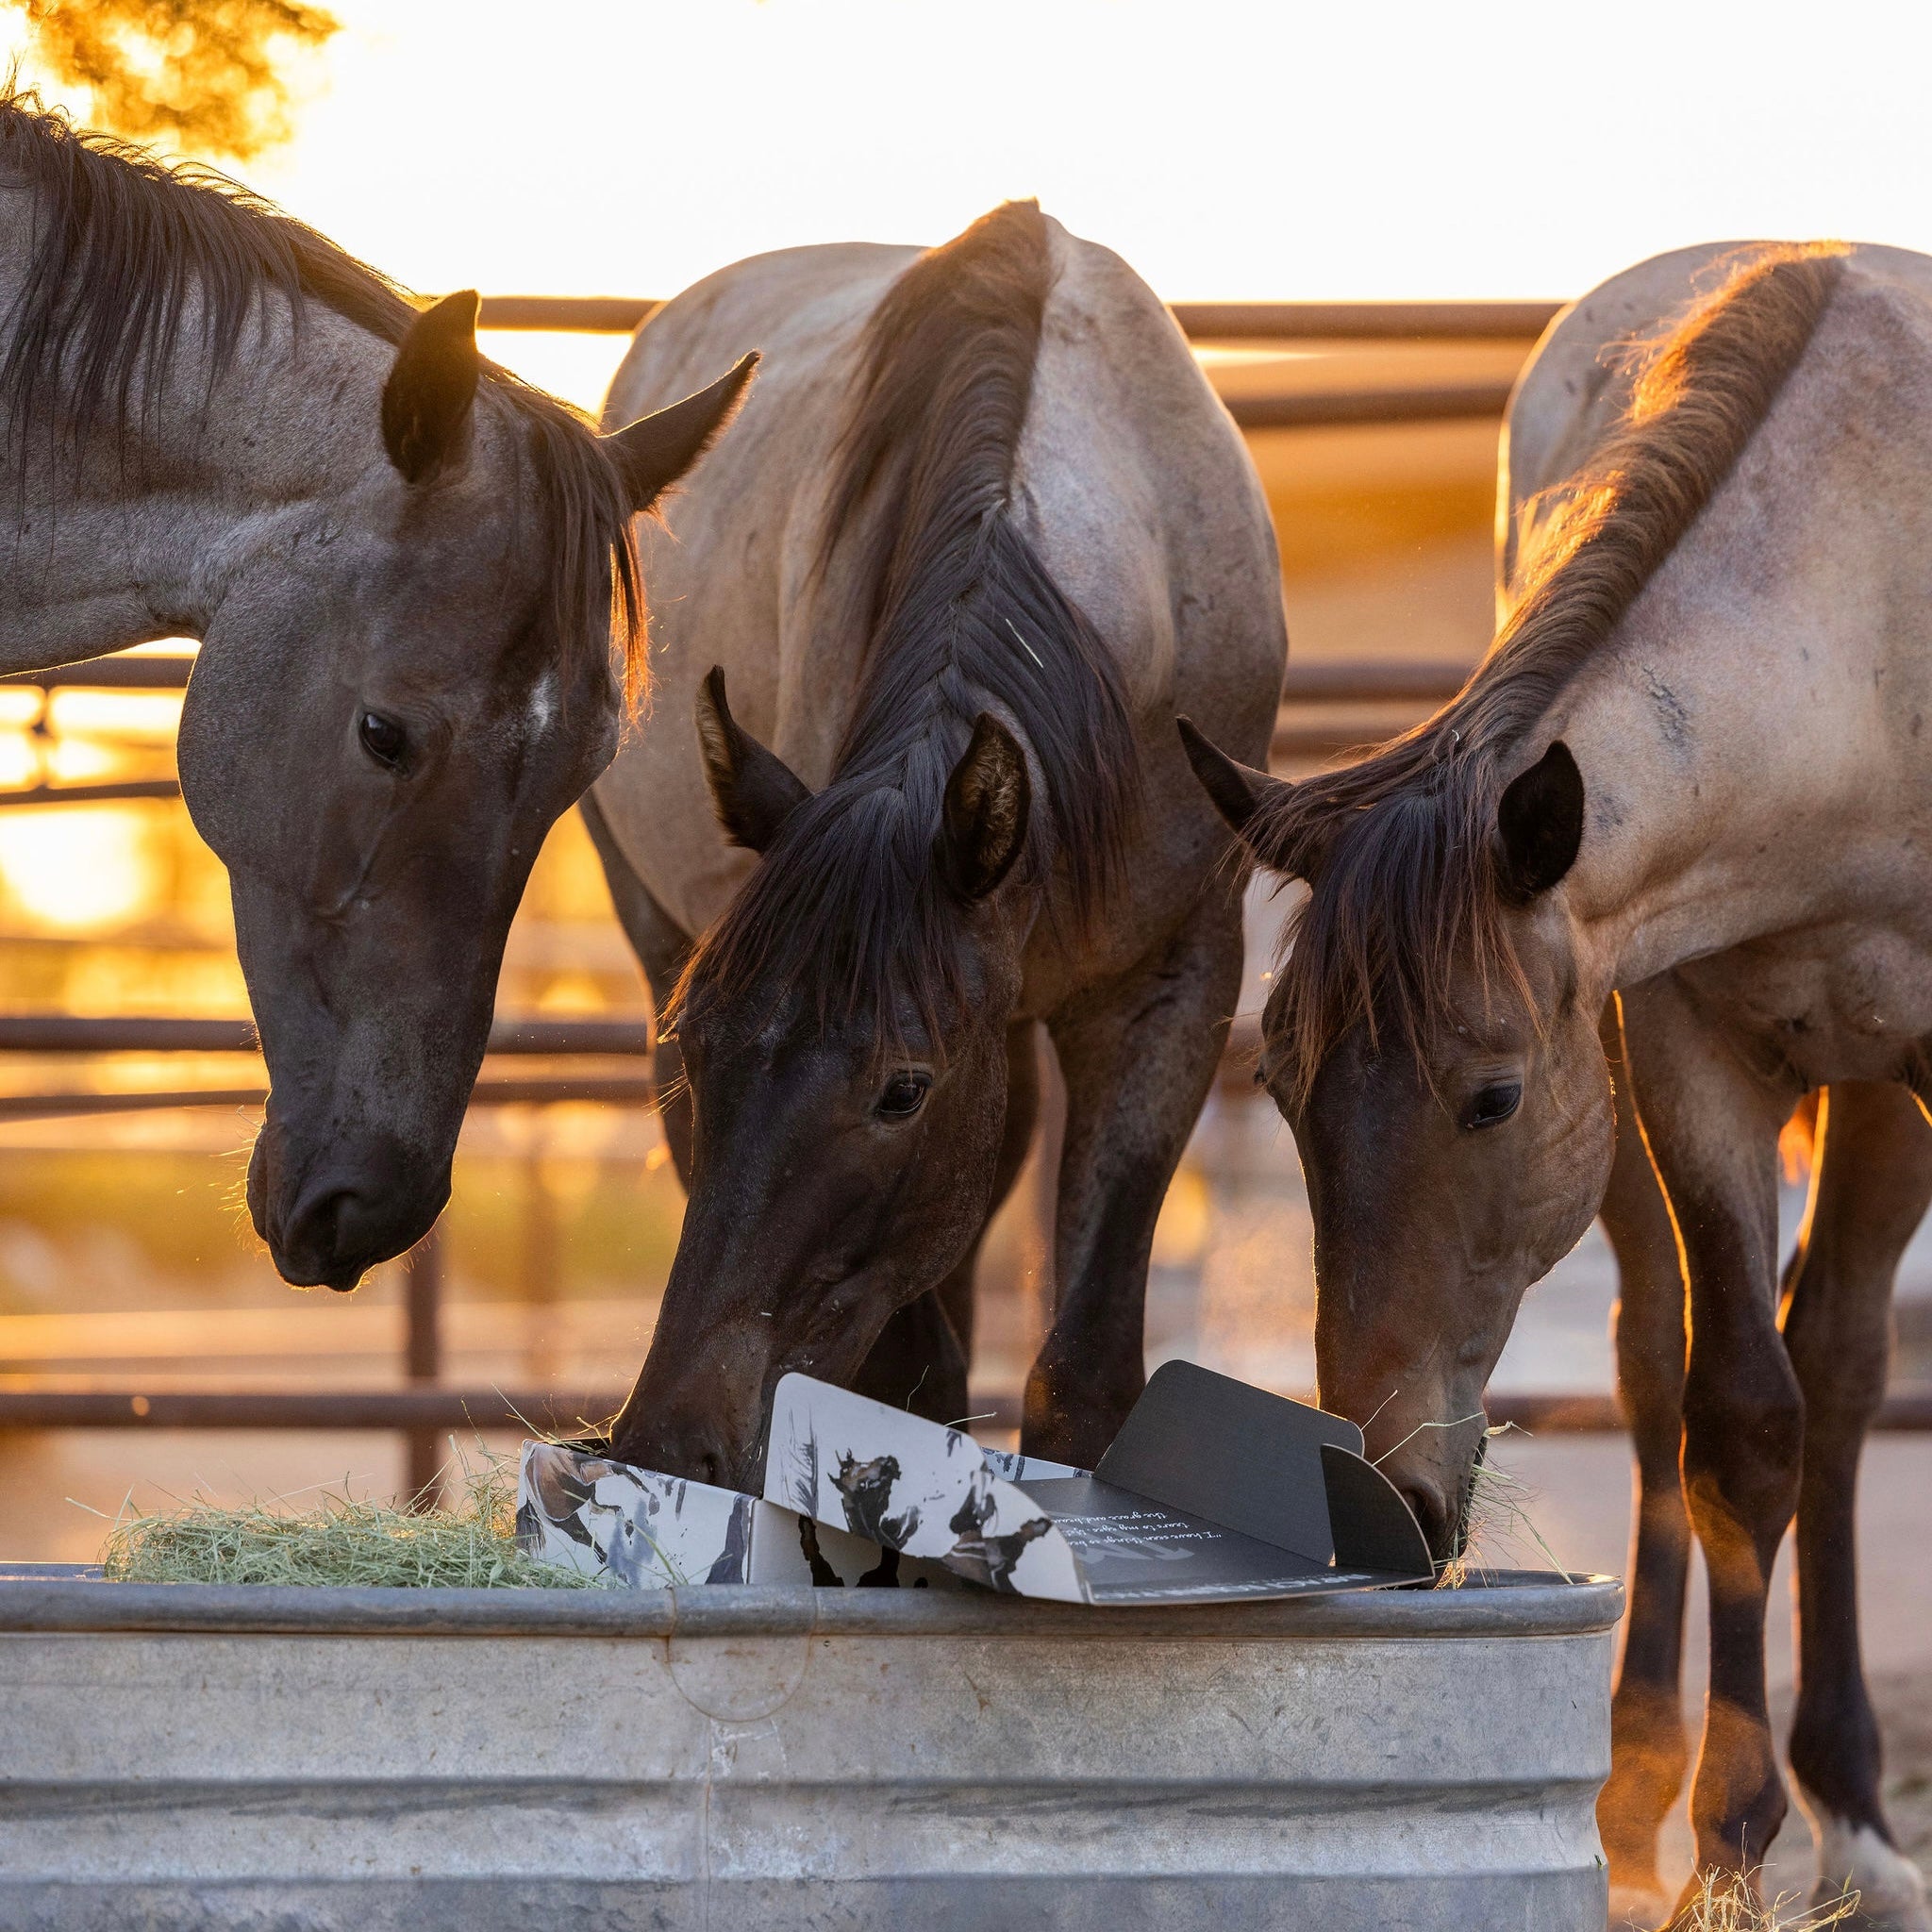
[(1520, 1604)]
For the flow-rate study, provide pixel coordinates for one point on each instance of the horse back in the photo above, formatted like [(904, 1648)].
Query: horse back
[(1147, 509)]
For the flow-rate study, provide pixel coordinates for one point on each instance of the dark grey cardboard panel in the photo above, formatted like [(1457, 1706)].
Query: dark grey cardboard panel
[(1213, 1447), (1374, 1529), (1134, 1550)]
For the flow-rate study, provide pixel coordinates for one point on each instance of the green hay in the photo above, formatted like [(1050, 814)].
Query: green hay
[(344, 1541), (1725, 1903)]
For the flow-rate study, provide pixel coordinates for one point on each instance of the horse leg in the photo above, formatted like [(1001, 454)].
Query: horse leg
[(1871, 1181), (1649, 1753), (1138, 1054), (924, 1353), (1712, 1126), (663, 947)]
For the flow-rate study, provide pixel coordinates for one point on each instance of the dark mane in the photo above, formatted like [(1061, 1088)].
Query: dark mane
[(1399, 849), (130, 252), (959, 616)]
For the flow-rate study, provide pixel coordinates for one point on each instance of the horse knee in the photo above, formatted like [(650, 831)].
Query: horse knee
[(1744, 1449)]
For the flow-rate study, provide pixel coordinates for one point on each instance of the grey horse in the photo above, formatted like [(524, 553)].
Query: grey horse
[(1688, 773), (401, 563), (982, 528)]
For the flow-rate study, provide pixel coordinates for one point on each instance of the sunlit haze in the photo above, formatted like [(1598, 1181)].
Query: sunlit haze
[(1228, 149)]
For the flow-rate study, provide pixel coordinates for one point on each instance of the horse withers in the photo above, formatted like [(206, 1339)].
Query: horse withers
[(402, 565), (1687, 769), (983, 526)]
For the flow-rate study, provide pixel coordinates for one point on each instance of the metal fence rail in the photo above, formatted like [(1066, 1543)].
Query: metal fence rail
[(1217, 321), (1362, 322), (435, 1411), (56, 1033)]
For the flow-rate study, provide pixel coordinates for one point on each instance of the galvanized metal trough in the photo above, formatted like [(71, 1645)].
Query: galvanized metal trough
[(180, 1757)]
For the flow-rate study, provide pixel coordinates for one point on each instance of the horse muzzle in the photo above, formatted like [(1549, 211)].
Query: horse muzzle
[(329, 1219)]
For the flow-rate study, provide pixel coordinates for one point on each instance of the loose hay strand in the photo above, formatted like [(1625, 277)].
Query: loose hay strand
[(1726, 1902), (345, 1540), (1497, 1520)]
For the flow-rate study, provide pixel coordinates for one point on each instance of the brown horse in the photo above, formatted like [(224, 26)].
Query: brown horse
[(401, 563), (1687, 770), (983, 526)]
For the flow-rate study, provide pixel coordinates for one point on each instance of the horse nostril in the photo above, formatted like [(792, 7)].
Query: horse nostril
[(327, 1240), (1431, 1515), (327, 1222)]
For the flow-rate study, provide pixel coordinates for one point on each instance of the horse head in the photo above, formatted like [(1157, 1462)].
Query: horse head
[(399, 691), (844, 1148), (1431, 1040)]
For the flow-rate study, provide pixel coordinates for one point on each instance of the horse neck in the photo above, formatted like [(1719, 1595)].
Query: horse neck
[(135, 533)]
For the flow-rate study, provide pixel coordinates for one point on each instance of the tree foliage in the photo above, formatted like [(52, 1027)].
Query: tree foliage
[(209, 76)]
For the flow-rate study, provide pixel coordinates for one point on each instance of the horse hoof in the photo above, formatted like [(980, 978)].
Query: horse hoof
[(1637, 1908), (1891, 1889)]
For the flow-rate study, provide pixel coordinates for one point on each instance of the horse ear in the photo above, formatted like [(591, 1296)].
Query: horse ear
[(753, 790), (656, 450), (1539, 823), (432, 387), (989, 797), (1238, 790), (1238, 793)]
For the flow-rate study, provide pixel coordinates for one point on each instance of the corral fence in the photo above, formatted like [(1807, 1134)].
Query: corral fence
[(426, 1408)]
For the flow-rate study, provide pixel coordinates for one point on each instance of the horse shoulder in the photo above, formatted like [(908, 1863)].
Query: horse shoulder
[(1146, 505)]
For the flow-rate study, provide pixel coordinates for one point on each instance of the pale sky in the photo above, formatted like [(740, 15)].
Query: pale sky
[(1490, 148)]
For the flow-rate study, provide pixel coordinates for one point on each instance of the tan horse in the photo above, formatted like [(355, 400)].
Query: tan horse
[(982, 528), (1690, 770)]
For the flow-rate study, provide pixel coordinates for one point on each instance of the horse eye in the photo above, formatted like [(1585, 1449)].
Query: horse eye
[(383, 739), (1493, 1105), (903, 1095)]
